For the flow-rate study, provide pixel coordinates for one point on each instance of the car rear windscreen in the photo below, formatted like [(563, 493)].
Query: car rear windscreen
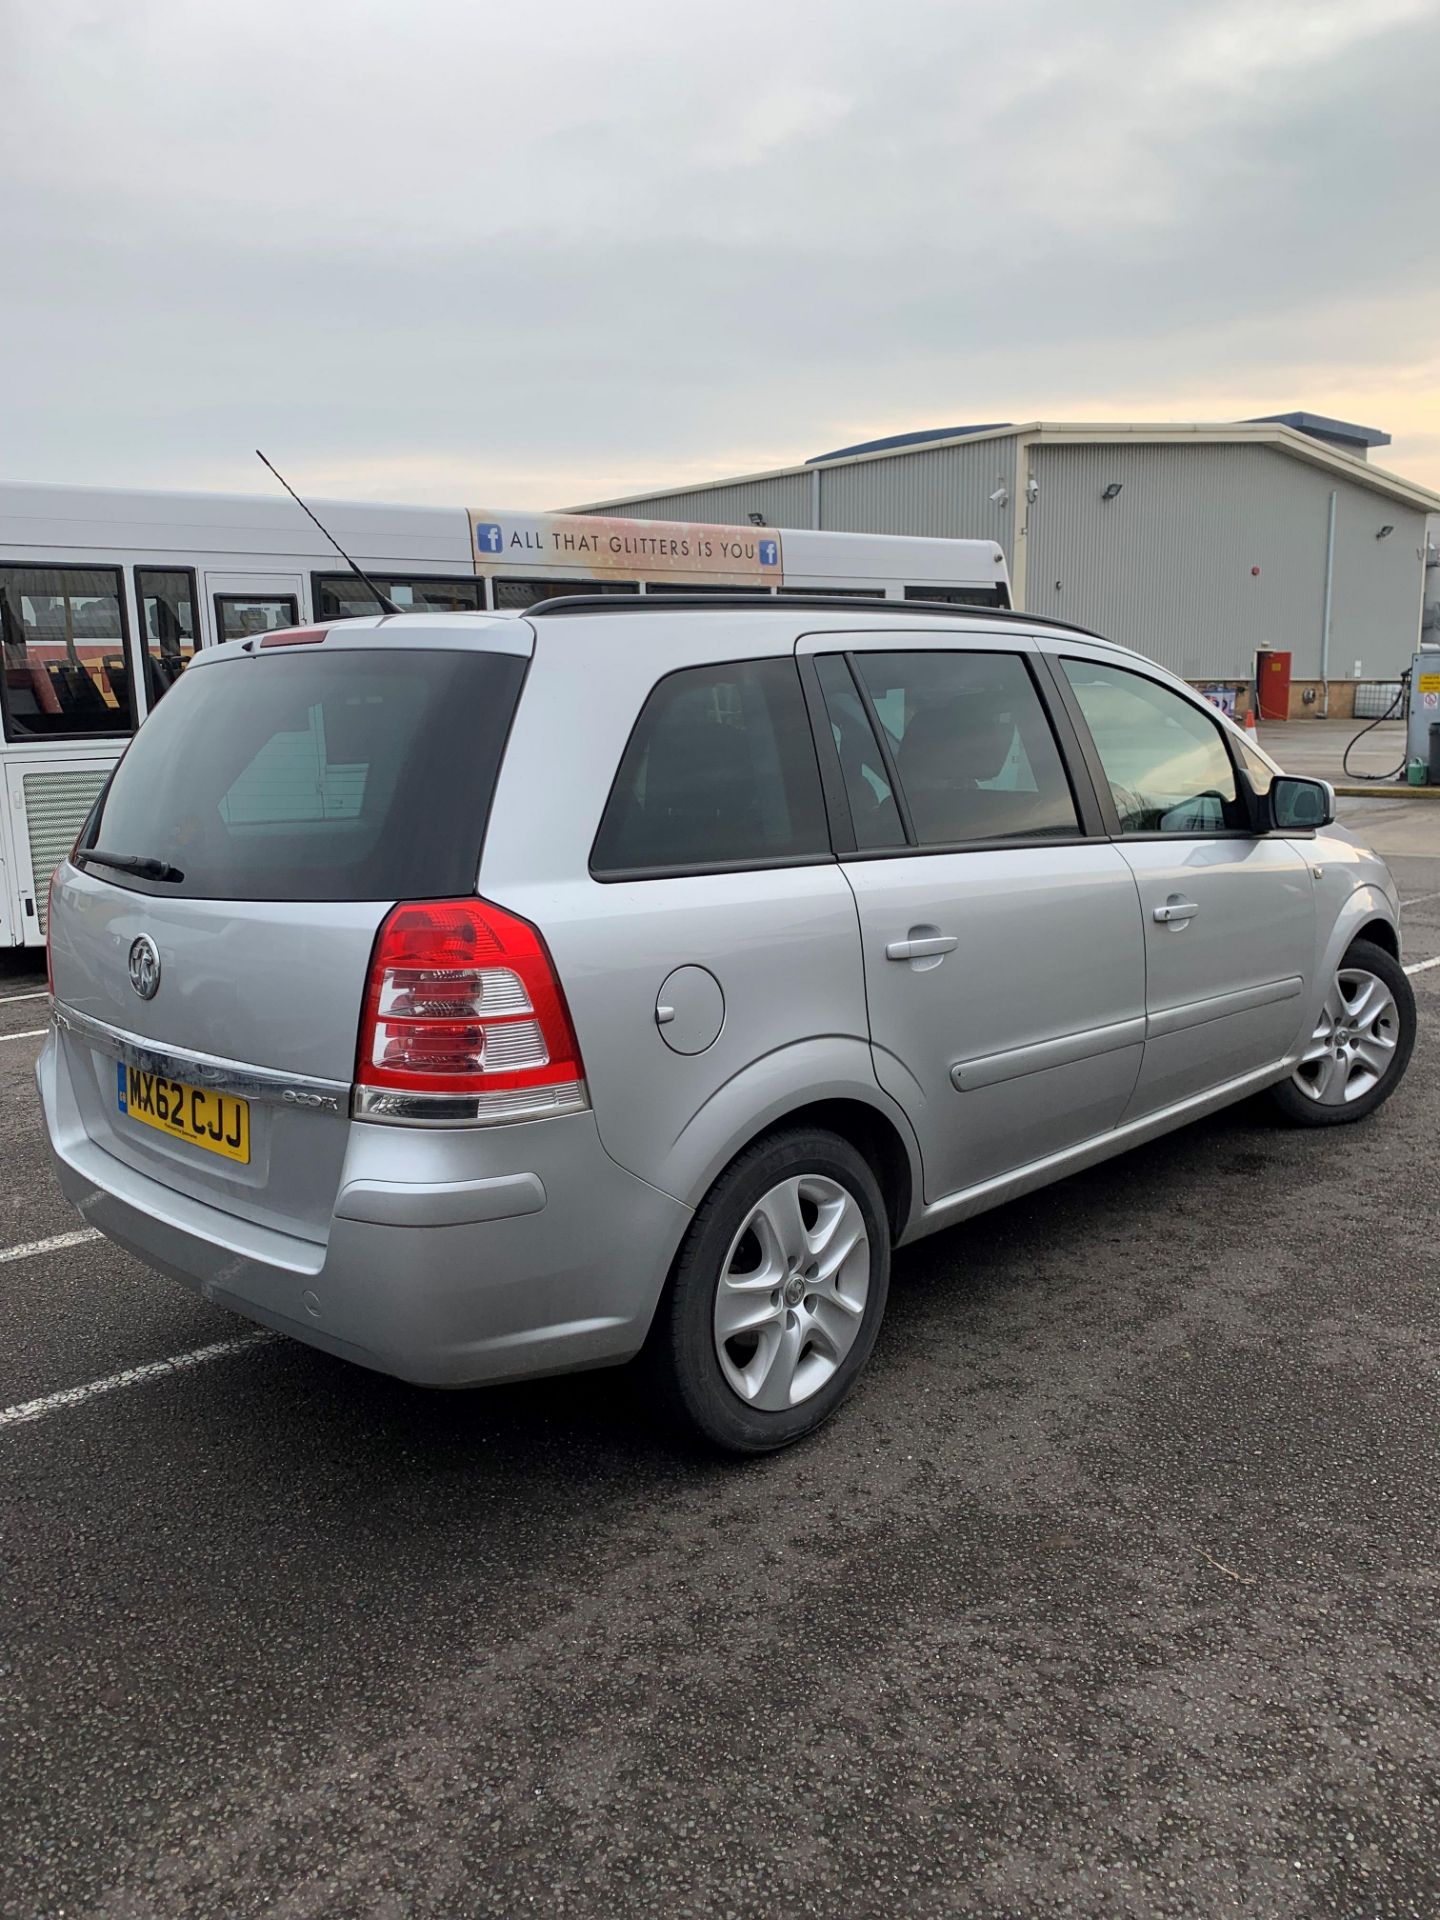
[(352, 775)]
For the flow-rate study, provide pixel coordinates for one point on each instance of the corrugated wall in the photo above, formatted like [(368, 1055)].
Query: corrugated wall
[(1166, 567), (784, 501), (943, 491)]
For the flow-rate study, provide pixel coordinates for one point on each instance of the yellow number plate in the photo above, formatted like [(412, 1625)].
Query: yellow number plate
[(218, 1122)]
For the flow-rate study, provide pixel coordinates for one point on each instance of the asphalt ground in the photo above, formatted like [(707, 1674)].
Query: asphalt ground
[(1113, 1591)]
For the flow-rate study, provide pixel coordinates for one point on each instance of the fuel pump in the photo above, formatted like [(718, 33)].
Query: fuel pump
[(1422, 728)]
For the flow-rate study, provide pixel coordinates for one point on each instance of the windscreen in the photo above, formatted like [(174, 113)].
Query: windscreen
[(311, 776)]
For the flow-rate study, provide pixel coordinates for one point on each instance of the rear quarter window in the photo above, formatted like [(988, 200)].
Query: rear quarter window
[(719, 772), (345, 776)]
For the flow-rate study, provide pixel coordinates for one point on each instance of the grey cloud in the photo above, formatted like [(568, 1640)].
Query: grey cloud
[(689, 235)]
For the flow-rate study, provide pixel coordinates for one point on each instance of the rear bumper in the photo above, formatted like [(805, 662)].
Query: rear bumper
[(544, 1257)]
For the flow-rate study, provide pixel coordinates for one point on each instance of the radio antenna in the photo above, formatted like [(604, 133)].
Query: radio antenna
[(385, 602)]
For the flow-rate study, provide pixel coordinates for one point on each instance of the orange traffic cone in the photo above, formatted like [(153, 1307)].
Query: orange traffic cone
[(1250, 726)]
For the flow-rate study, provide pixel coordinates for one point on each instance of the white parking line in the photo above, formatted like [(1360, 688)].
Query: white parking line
[(1419, 899), (40, 993), (1423, 966), (132, 1377), (30, 1033), (52, 1245)]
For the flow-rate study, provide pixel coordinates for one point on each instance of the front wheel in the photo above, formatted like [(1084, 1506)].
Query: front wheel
[(1361, 1045), (777, 1294)]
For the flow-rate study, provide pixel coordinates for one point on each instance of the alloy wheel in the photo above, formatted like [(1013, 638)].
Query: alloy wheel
[(1354, 1041), (792, 1292)]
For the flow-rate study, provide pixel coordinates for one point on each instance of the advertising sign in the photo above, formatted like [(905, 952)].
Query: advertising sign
[(592, 547)]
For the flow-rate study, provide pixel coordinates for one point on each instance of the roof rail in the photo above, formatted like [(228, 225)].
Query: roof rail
[(807, 602)]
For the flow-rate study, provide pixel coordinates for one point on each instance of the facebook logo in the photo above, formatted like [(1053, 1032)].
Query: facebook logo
[(769, 553), (488, 537)]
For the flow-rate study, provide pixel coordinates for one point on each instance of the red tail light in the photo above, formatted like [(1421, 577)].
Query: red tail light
[(464, 1020)]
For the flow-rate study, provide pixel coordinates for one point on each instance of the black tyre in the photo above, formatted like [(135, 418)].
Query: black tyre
[(1361, 1046), (777, 1293)]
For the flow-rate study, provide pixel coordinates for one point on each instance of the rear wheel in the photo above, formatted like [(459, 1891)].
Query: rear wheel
[(777, 1294), (1361, 1045)]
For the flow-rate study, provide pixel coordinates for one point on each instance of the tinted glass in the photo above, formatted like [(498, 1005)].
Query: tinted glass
[(340, 596), (166, 599), (670, 588), (995, 596), (1164, 758), (971, 744), (720, 771), (313, 777), (873, 812), (516, 595), (62, 638), (238, 615)]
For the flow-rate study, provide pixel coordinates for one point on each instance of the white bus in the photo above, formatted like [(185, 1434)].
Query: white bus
[(104, 596)]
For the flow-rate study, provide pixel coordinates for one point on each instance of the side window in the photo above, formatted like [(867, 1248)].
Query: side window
[(166, 599), (1260, 771), (961, 596), (238, 615), (1164, 758), (971, 744), (873, 812), (62, 641), (720, 771), (340, 596), (513, 596)]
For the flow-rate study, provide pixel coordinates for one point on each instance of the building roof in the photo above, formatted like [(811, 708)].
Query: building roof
[(1278, 434), (920, 439), (1322, 427)]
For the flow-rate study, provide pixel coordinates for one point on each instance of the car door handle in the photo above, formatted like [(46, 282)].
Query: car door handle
[(1176, 910), (921, 949)]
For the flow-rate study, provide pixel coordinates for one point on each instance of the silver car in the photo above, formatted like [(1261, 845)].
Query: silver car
[(483, 996)]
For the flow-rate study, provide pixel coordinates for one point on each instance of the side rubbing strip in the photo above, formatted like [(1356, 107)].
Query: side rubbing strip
[(1219, 1006), (991, 1068)]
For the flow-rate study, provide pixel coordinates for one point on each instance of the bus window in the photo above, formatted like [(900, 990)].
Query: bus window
[(237, 615), (166, 599), (961, 596), (515, 595), (62, 639), (340, 596), (714, 586)]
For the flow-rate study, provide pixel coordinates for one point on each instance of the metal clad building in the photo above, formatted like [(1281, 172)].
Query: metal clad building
[(935, 490), (1211, 543)]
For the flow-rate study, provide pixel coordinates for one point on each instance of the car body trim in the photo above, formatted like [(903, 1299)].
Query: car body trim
[(1219, 1006), (263, 1084), (991, 1068), (451, 1203)]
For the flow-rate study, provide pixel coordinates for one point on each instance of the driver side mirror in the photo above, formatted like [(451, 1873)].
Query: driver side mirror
[(1298, 805)]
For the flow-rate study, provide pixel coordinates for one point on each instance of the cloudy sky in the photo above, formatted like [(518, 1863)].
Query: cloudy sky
[(450, 250)]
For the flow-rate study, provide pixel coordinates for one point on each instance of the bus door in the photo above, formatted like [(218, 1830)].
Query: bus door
[(244, 603)]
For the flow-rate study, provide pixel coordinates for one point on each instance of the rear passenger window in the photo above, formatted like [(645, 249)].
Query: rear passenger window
[(719, 772), (971, 745)]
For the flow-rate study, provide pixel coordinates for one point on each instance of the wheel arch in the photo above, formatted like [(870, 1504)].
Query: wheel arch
[(1380, 933), (827, 1083)]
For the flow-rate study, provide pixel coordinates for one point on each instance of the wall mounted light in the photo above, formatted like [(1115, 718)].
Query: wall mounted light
[(1112, 490), (756, 519), (1001, 496), (1385, 531), (1032, 489)]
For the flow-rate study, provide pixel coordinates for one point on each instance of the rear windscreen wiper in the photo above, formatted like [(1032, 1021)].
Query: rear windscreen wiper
[(140, 863)]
